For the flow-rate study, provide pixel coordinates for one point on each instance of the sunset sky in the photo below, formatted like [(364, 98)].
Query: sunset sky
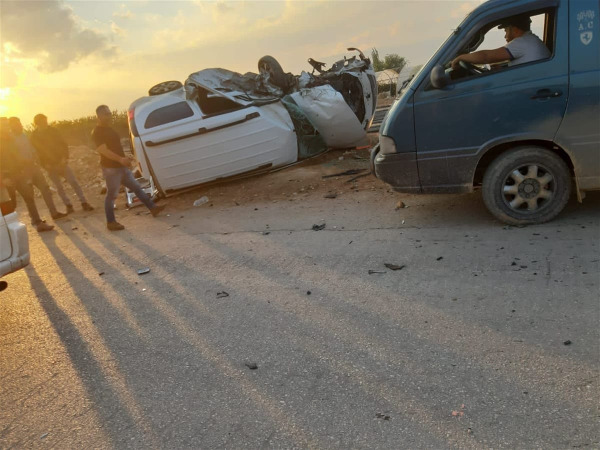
[(63, 58)]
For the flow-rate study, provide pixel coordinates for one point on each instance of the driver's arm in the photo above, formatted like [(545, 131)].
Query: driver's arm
[(483, 57)]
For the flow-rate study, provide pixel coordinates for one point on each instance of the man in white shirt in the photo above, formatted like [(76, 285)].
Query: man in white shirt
[(522, 46)]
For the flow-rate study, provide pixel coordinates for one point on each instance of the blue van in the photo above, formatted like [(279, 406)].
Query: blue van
[(520, 132)]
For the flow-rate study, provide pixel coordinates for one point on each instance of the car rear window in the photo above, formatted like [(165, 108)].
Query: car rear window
[(168, 114)]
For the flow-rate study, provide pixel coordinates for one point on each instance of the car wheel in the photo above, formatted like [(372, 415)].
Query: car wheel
[(269, 65), (526, 185), (164, 87)]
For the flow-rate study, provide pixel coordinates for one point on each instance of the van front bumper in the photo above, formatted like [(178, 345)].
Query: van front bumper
[(399, 170)]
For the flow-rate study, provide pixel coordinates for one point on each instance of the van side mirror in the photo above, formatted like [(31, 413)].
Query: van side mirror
[(439, 78)]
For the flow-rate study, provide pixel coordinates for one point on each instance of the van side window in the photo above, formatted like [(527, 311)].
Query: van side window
[(168, 114), (509, 37), (213, 104)]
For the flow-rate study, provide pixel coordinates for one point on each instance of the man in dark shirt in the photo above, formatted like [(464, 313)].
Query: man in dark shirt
[(14, 176), (31, 169), (53, 153), (115, 168)]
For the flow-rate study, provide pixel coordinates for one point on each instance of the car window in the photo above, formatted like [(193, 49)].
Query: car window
[(212, 104), (168, 114)]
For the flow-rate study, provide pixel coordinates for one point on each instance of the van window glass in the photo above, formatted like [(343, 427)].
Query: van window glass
[(490, 37), (168, 114), (213, 104), (495, 37)]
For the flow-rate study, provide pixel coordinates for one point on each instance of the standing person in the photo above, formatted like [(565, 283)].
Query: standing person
[(14, 175), (35, 175), (53, 153), (115, 168)]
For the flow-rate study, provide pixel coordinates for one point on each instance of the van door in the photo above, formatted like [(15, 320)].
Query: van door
[(455, 125), (580, 130)]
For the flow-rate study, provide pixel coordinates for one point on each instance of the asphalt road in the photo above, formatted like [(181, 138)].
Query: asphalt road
[(462, 347)]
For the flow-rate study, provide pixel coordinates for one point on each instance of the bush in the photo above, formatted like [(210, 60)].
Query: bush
[(79, 131)]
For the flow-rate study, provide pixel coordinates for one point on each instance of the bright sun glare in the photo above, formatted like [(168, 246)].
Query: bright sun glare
[(4, 96)]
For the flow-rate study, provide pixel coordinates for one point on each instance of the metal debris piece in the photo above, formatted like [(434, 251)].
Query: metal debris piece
[(357, 177), (318, 227), (222, 294), (347, 172), (394, 266), (201, 201), (143, 271)]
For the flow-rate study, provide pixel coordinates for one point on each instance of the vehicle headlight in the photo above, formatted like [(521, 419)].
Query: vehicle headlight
[(387, 145)]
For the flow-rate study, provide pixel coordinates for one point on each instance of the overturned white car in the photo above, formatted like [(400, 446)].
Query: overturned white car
[(222, 124)]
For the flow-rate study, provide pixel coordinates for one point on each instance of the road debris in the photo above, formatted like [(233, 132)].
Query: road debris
[(394, 266), (201, 201), (308, 292), (318, 227), (252, 365), (439, 258), (222, 294), (357, 177), (371, 272), (347, 172), (100, 274), (330, 196), (143, 271), (460, 412), (567, 342), (382, 416), (400, 205)]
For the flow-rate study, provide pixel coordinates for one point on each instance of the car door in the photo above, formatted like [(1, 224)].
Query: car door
[(204, 147), (580, 130), (455, 125), (6, 248)]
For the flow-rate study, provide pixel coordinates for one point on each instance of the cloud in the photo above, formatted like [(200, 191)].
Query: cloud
[(123, 13), (116, 29), (49, 32)]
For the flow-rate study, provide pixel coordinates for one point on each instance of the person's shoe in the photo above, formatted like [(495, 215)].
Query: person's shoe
[(114, 226), (87, 207), (157, 210), (58, 215), (43, 226), (70, 209)]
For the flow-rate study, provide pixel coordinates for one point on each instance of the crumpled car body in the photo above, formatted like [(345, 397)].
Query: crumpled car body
[(222, 125)]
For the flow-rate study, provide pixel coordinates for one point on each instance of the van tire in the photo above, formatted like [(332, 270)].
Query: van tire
[(277, 77), (164, 87), (526, 185)]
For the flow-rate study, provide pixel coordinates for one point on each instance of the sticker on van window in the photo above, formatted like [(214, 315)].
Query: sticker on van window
[(586, 25)]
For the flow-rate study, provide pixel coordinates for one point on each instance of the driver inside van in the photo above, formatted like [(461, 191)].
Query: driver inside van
[(522, 46)]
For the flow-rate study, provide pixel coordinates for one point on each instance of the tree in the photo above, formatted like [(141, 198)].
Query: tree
[(390, 61)]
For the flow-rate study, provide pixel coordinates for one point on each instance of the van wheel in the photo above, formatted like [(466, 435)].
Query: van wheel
[(164, 87), (526, 185), (269, 65)]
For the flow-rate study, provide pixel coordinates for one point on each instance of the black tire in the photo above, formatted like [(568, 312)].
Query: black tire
[(269, 65), (526, 185), (164, 87)]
